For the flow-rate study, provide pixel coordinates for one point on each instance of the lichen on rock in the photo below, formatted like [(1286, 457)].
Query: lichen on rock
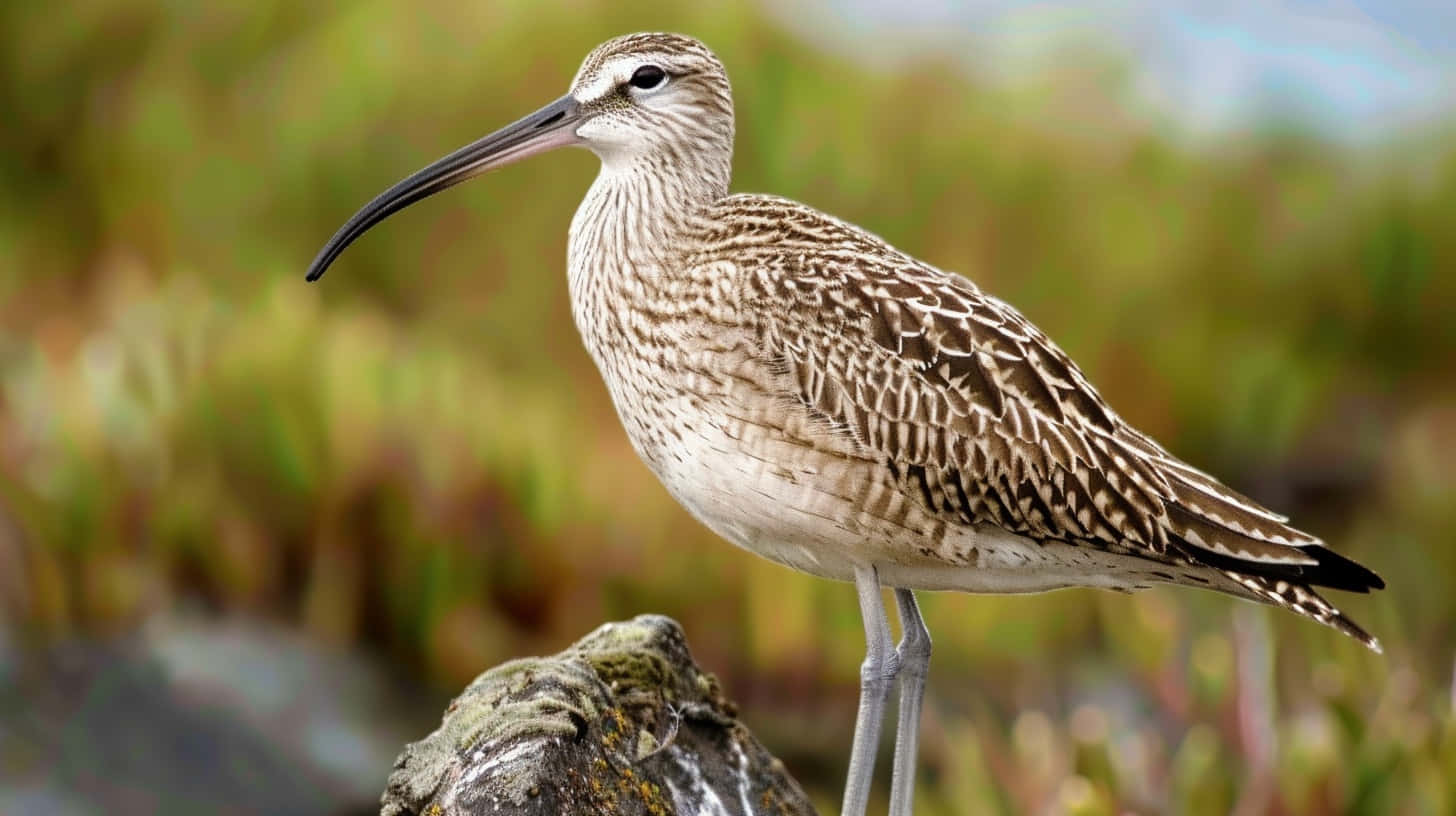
[(623, 722)]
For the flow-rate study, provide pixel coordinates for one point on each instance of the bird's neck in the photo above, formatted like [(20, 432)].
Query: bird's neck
[(634, 213), (629, 236), (638, 194)]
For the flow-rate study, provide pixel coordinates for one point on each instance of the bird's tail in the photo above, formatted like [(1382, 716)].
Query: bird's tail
[(1303, 600)]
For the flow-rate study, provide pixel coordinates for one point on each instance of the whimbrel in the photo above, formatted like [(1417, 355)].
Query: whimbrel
[(818, 397)]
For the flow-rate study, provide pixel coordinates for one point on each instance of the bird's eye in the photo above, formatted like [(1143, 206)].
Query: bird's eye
[(647, 77)]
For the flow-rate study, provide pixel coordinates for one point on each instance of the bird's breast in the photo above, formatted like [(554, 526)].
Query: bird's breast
[(716, 424)]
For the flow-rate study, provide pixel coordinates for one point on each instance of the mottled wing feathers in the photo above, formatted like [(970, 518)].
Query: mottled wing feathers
[(978, 413)]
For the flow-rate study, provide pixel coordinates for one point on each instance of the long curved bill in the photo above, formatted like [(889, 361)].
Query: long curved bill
[(551, 127)]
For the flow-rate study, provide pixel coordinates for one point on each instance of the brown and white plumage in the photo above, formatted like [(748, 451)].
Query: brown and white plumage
[(827, 401), (981, 418), (945, 392)]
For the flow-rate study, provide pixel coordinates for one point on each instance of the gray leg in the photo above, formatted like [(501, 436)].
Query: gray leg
[(876, 675), (914, 654)]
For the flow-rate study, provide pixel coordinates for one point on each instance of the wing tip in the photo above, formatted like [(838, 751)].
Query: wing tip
[(1339, 572)]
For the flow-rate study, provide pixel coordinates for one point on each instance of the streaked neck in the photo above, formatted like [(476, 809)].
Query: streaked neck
[(635, 211)]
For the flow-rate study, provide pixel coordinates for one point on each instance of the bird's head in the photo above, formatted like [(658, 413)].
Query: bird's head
[(655, 103), (658, 97)]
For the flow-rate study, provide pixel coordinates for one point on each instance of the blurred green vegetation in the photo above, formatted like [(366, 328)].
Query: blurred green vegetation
[(416, 458)]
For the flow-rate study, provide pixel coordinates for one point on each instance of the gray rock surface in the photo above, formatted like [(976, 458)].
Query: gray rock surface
[(623, 722)]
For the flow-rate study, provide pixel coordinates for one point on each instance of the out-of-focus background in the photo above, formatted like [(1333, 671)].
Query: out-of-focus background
[(254, 533)]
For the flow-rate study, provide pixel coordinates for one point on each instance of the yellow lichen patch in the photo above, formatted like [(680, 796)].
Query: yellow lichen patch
[(614, 729), (652, 797)]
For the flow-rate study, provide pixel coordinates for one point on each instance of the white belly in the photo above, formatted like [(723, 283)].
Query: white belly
[(826, 513)]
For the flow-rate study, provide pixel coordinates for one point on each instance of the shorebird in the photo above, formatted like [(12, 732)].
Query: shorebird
[(822, 399)]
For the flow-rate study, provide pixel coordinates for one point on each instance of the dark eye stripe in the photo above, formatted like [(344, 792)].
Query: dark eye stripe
[(647, 77)]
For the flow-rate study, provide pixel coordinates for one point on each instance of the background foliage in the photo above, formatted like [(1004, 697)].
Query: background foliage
[(416, 461)]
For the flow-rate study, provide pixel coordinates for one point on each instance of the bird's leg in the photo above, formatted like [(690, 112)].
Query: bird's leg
[(876, 675), (914, 654)]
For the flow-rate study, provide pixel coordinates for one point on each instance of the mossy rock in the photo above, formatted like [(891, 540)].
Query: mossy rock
[(623, 722)]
